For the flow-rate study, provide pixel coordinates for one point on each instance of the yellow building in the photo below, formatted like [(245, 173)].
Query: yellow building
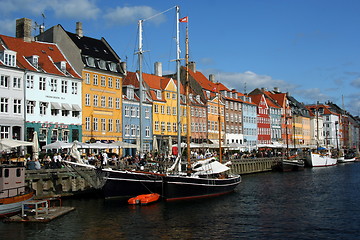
[(163, 92), (102, 101)]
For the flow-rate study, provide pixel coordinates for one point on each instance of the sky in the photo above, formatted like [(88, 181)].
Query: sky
[(308, 48)]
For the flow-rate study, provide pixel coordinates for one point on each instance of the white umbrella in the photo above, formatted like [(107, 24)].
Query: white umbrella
[(121, 144), (57, 145), (35, 146), (155, 144), (100, 145), (7, 143)]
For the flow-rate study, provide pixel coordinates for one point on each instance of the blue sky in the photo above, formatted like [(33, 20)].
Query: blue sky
[(309, 48)]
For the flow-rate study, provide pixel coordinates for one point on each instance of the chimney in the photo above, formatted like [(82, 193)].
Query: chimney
[(23, 29), (276, 89), (158, 69), (192, 66), (79, 30), (212, 78)]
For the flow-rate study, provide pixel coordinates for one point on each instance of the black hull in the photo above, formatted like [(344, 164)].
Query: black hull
[(288, 166), (185, 188), (130, 184), (171, 188)]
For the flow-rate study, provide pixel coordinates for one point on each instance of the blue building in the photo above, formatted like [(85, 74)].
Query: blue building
[(131, 115), (249, 115)]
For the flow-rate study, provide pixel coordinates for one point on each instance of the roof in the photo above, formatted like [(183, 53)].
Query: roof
[(95, 48), (48, 55)]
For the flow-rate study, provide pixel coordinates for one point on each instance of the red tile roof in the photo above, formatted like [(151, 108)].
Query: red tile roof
[(48, 54)]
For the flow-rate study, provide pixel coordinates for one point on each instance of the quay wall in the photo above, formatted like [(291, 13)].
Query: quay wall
[(69, 182)]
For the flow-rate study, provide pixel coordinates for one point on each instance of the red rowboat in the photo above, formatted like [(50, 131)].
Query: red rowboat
[(144, 199)]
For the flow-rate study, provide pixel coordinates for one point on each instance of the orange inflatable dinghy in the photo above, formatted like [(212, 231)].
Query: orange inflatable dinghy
[(144, 199)]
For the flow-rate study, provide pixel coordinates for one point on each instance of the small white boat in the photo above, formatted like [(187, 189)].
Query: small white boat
[(321, 160), (345, 160)]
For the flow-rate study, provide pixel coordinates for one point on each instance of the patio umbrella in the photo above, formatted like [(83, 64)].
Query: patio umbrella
[(35, 146), (7, 143), (57, 145), (121, 144)]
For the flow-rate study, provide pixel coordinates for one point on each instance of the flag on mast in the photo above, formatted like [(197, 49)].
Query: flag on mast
[(184, 19)]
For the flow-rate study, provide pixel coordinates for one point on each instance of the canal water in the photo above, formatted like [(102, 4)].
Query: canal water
[(319, 203)]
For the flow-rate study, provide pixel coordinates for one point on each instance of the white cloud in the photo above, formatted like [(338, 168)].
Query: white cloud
[(250, 80), (126, 15), (79, 9)]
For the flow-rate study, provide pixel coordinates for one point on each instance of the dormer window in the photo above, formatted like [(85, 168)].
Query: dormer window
[(61, 65), (198, 98), (112, 66), (158, 94), (102, 64), (90, 61), (8, 57), (34, 60), (208, 94), (130, 93)]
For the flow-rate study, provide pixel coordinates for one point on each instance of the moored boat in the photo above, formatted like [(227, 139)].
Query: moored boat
[(144, 199), (288, 165), (13, 192), (320, 160)]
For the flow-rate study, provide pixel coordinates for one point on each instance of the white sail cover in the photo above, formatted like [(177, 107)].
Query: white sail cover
[(209, 166)]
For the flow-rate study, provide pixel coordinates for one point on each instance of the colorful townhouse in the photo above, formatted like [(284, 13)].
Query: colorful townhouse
[(12, 96), (316, 126), (249, 120), (52, 90), (102, 72), (133, 131), (198, 118), (163, 91), (263, 118)]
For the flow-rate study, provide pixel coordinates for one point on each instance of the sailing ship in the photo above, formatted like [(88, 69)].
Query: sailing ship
[(13, 192), (207, 178)]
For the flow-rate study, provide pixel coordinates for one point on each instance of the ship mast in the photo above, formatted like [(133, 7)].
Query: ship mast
[(178, 80), (140, 55), (188, 129)]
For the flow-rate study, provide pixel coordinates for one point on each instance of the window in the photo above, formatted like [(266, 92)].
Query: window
[(53, 85), (158, 94), (117, 103), (127, 130), (110, 102), (156, 125), (117, 125), (87, 99), (117, 83), (42, 83), (174, 96), (130, 93), (167, 95), (95, 79), (87, 78), (162, 126), (103, 81), (64, 84), (147, 131), (4, 105), (168, 126), (42, 107), (87, 123), (17, 106), (110, 82), (9, 58), (103, 101), (4, 132), (30, 107), (16, 82), (74, 88), (147, 113), (127, 111), (174, 110), (174, 127), (110, 125), (4, 81), (30, 81), (133, 111), (65, 113), (95, 124), (103, 124), (156, 108), (162, 109), (133, 130), (168, 110), (96, 100)]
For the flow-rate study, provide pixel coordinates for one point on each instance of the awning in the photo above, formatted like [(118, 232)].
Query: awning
[(55, 105), (66, 106), (76, 107)]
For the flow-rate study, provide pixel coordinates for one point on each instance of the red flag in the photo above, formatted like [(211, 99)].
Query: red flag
[(184, 19)]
